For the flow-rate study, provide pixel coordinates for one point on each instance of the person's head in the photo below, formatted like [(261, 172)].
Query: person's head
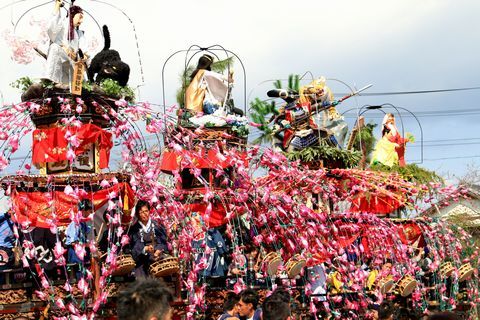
[(85, 206), (231, 301), (142, 211), (389, 118), (204, 63), (281, 294), (371, 314), (385, 311), (75, 18), (275, 308), (403, 314), (108, 215), (248, 303), (147, 299), (444, 316)]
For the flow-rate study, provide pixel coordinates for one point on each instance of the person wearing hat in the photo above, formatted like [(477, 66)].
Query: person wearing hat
[(65, 42)]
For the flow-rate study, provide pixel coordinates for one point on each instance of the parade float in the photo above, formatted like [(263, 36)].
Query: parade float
[(308, 214)]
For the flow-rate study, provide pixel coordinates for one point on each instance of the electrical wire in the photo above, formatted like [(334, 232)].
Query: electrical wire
[(451, 110), (392, 93), (451, 158), (446, 144)]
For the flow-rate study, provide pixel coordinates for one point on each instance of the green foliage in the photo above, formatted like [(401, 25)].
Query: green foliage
[(210, 125), (278, 84), (23, 83), (293, 83), (185, 82), (241, 131), (218, 66), (327, 153), (261, 113), (365, 139), (411, 172), (87, 86), (114, 90), (222, 65)]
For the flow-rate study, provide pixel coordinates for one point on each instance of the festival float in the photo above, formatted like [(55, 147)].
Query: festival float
[(312, 214)]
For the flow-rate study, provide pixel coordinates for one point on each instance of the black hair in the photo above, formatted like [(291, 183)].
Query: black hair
[(231, 301), (281, 294), (85, 205), (140, 204), (144, 299), (108, 212), (204, 63), (249, 296), (385, 129), (385, 311), (275, 308), (444, 316)]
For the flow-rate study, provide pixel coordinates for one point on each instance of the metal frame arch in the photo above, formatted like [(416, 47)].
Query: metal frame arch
[(199, 49)]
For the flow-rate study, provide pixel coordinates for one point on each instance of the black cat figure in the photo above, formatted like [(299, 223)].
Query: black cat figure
[(107, 64)]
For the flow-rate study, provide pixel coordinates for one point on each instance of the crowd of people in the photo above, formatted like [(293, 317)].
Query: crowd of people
[(150, 299), (147, 239)]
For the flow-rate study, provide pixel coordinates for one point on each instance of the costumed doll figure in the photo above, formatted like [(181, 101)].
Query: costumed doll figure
[(317, 92), (296, 120), (65, 42), (326, 116), (390, 150), (294, 126), (148, 239), (208, 90)]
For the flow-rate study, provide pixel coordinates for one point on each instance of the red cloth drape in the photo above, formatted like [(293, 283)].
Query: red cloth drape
[(201, 159), (218, 216), (378, 204), (400, 148), (411, 233), (51, 145), (347, 233), (35, 206)]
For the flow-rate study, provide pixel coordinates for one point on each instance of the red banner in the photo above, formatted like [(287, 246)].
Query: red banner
[(51, 144), (214, 159), (377, 204), (36, 207)]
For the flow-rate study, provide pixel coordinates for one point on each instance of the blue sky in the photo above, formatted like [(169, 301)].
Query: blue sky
[(395, 45)]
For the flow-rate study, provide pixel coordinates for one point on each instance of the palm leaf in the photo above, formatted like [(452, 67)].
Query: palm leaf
[(221, 65), (278, 84)]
